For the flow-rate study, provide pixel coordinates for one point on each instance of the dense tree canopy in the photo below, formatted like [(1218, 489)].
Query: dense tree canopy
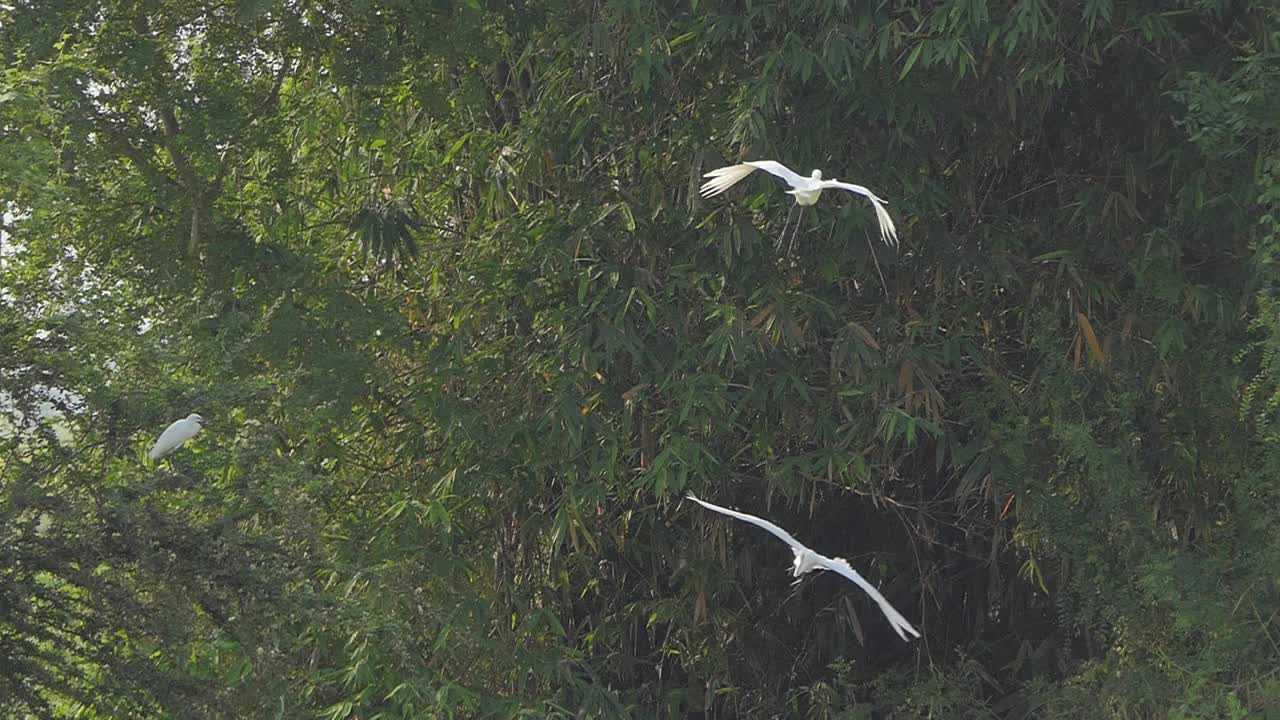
[(438, 278)]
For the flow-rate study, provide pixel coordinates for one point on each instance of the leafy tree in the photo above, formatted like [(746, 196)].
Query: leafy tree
[(439, 277)]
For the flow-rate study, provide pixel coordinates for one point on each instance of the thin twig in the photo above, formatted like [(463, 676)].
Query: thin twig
[(883, 284)]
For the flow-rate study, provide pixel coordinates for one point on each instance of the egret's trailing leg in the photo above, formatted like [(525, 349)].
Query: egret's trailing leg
[(795, 232), (783, 236)]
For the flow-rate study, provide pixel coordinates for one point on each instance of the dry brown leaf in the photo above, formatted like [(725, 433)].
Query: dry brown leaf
[(853, 620), (648, 446), (631, 392), (761, 316), (1091, 339), (866, 337), (906, 385), (1007, 504)]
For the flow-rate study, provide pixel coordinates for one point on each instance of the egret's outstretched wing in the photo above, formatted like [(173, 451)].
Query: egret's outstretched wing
[(173, 437), (780, 170), (888, 233), (860, 189), (726, 177), (782, 534), (899, 623)]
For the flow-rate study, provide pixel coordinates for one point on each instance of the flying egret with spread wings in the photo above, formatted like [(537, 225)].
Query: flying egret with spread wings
[(805, 189), (807, 560), (174, 436)]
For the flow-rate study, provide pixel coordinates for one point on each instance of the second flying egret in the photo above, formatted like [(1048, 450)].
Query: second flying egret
[(805, 189), (175, 435), (807, 560)]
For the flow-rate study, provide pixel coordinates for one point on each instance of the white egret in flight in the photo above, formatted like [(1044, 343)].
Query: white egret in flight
[(175, 435), (805, 189), (807, 560)]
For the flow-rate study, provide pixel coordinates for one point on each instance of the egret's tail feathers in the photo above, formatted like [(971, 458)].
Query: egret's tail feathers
[(724, 178), (888, 233)]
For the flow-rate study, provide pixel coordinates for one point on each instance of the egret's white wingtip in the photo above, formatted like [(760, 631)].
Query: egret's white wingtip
[(888, 232), (724, 178), (899, 623)]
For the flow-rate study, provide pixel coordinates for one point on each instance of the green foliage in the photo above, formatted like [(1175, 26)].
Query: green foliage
[(1046, 426)]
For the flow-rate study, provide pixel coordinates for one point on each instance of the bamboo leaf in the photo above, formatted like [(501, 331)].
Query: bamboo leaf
[(1095, 348), (911, 61), (864, 335), (453, 149)]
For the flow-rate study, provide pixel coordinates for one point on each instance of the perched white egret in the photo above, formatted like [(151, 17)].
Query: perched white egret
[(805, 189), (807, 560), (175, 435)]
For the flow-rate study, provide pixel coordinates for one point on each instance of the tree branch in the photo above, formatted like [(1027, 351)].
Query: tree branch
[(187, 176)]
